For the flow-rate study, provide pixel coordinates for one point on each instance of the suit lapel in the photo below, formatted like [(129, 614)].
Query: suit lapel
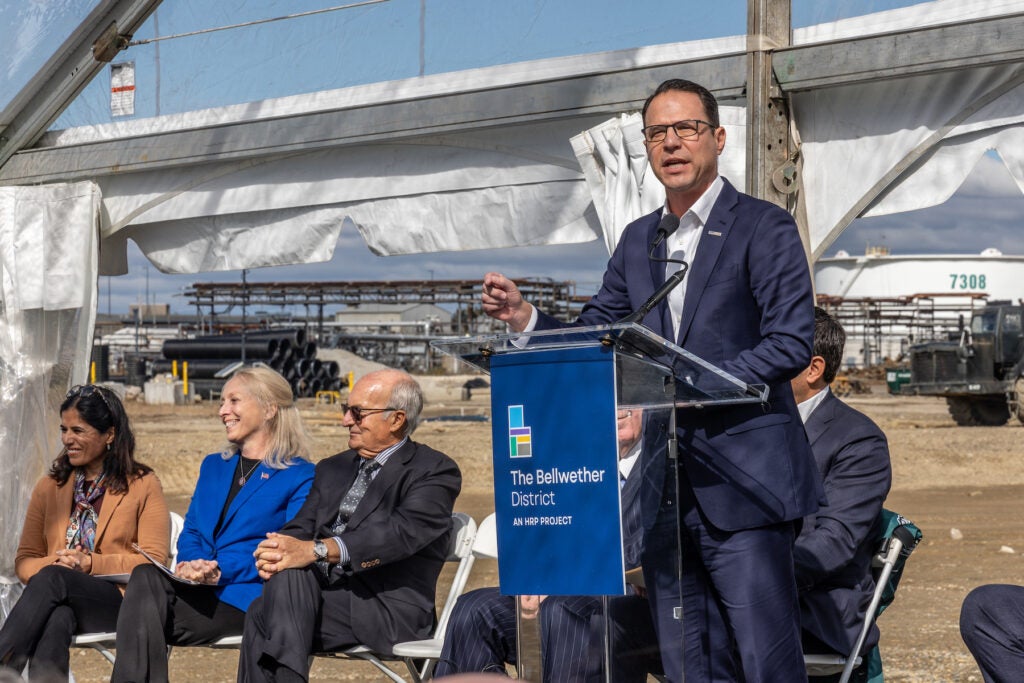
[(818, 422), (720, 221), (334, 488), (386, 478), (631, 494), (58, 526), (110, 502), (658, 274)]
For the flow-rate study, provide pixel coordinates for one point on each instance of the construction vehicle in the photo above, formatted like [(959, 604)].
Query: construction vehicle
[(844, 385), (980, 369)]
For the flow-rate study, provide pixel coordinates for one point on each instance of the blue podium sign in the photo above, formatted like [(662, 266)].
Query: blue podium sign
[(556, 483)]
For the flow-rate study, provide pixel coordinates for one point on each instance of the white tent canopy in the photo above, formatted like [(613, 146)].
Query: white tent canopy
[(473, 160), (482, 159), (48, 247), (912, 141)]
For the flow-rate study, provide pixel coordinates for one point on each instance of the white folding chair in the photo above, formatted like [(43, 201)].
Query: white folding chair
[(104, 642), (461, 550), (485, 545)]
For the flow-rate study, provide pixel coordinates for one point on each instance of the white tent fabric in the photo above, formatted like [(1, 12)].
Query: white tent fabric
[(48, 259), (473, 188), (912, 141), (917, 16), (614, 161), (465, 189), (439, 193)]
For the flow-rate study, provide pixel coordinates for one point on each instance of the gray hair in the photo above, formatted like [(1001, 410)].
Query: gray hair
[(407, 396)]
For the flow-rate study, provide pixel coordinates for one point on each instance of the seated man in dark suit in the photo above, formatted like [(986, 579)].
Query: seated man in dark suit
[(359, 562), (834, 549), (481, 634), (833, 552)]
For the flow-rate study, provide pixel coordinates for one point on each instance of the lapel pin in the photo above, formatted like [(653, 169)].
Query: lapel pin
[(714, 233), (264, 476)]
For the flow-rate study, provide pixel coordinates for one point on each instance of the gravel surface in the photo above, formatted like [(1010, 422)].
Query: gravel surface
[(945, 477)]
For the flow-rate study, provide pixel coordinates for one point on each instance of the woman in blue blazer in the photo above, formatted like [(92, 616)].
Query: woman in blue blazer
[(253, 487)]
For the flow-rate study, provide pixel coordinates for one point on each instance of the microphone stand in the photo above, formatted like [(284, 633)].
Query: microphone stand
[(656, 298)]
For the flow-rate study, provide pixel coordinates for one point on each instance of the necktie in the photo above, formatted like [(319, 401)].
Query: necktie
[(355, 494), (350, 502), (675, 297)]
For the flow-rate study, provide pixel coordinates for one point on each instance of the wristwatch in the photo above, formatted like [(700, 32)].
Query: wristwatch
[(320, 550)]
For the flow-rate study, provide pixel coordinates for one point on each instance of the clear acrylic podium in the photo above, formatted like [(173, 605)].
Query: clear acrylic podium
[(560, 400)]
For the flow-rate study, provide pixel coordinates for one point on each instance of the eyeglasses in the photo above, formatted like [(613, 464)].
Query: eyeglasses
[(359, 413), (685, 130), (85, 390)]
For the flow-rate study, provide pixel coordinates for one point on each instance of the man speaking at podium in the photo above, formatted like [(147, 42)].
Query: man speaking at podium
[(746, 475)]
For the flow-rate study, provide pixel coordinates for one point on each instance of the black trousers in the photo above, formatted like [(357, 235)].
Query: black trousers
[(295, 617), (157, 612), (57, 603)]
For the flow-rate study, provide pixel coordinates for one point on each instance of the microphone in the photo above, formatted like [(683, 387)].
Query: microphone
[(671, 283), (668, 225)]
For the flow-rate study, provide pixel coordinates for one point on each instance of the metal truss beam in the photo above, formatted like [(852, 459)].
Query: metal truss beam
[(95, 42), (983, 42)]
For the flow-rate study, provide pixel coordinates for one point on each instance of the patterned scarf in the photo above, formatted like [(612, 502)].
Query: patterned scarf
[(82, 525)]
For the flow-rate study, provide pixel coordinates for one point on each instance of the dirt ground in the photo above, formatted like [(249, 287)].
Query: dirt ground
[(945, 478)]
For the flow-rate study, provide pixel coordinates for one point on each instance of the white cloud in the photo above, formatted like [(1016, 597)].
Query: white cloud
[(990, 179), (985, 212)]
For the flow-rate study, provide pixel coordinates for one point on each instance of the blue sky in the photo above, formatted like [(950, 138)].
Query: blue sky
[(383, 41)]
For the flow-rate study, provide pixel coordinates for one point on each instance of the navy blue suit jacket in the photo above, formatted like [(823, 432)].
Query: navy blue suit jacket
[(397, 538), (748, 309), (833, 552), (269, 499)]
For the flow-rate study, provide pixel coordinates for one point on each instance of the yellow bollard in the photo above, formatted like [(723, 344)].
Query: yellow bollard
[(92, 372), (174, 369), (351, 379), (184, 377)]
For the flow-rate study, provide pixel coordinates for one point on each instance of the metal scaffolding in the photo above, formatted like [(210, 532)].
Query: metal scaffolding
[(215, 302), (879, 330)]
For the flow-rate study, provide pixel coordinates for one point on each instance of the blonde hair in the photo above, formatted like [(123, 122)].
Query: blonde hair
[(289, 438)]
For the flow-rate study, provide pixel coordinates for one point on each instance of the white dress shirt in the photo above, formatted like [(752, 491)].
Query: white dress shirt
[(807, 407), (682, 245)]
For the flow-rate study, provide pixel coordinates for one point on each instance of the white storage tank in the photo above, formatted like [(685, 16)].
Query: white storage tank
[(878, 274), (886, 302)]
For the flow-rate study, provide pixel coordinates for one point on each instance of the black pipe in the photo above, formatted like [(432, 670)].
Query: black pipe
[(198, 368), (295, 336), (185, 349)]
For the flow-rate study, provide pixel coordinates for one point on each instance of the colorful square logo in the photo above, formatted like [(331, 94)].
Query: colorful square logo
[(519, 444)]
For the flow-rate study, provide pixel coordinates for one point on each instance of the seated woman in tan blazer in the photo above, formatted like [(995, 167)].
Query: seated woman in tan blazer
[(82, 520)]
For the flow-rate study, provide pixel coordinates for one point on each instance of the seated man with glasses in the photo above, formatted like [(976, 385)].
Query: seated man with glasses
[(481, 635), (358, 565)]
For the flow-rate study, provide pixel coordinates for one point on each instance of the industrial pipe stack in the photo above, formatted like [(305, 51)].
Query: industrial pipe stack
[(286, 351)]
